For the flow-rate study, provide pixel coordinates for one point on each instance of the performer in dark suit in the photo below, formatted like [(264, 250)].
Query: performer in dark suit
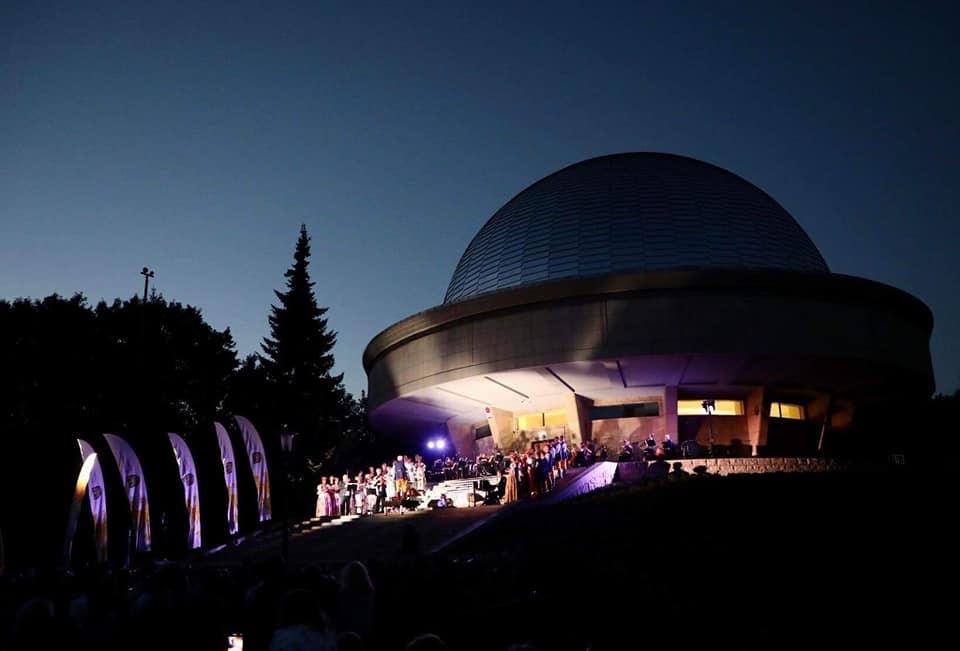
[(346, 495), (501, 486), (669, 449)]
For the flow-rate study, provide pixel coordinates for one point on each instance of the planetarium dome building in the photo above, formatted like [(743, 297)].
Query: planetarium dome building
[(609, 300)]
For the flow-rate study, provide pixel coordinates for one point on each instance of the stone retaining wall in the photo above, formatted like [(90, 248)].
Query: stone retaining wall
[(636, 470), (596, 476)]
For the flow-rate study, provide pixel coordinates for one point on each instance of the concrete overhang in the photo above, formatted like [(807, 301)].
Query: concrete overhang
[(610, 337)]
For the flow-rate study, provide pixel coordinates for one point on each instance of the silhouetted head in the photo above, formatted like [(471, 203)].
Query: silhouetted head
[(355, 579), (428, 642), (300, 607)]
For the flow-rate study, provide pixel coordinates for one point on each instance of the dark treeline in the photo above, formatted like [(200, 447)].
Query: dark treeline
[(141, 369), (120, 366)]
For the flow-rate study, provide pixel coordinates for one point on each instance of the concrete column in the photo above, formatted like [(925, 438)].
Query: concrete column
[(671, 425), (577, 409), (757, 416), (501, 426)]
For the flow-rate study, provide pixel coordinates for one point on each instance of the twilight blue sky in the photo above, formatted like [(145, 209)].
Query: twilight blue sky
[(194, 137)]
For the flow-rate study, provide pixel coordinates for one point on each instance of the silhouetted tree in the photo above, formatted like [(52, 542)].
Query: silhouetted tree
[(126, 366), (49, 352), (250, 393), (298, 361)]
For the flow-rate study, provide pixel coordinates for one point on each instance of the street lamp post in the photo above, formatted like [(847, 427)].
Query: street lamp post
[(147, 275), (286, 447)]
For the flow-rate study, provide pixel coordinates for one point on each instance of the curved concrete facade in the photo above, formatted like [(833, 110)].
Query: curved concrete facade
[(806, 337)]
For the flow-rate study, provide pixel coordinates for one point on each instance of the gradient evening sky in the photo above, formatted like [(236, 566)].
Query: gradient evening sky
[(195, 137)]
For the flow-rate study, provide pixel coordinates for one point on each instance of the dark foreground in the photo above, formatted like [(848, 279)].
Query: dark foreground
[(748, 562)]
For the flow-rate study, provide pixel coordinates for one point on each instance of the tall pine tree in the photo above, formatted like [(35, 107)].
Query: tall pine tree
[(298, 360)]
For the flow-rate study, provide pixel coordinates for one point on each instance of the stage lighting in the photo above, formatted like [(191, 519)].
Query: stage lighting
[(431, 445), (441, 444)]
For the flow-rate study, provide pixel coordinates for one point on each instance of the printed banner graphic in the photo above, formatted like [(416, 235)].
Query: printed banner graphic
[(229, 476), (258, 464), (89, 483), (191, 489), (136, 486)]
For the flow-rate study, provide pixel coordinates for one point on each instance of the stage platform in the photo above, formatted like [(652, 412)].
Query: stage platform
[(334, 541)]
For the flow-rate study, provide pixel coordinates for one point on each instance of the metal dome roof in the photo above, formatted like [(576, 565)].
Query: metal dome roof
[(632, 212)]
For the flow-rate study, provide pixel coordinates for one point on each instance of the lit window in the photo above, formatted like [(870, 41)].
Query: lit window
[(555, 418), (787, 410), (528, 422), (721, 407)]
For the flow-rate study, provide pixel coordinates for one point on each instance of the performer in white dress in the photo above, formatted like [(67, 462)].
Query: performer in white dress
[(321, 498), (420, 475), (361, 495), (391, 484)]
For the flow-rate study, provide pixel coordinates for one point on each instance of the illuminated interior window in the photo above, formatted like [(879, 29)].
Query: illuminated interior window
[(787, 410), (555, 418), (722, 408), (528, 422)]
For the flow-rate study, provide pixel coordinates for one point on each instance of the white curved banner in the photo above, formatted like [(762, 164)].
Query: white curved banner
[(229, 476), (258, 464), (191, 490), (136, 486), (89, 483)]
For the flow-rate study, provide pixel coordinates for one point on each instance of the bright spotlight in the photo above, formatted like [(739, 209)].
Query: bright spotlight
[(431, 445), (441, 444)]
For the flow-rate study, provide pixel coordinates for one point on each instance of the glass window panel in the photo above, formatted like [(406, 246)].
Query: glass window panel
[(528, 422), (555, 418), (787, 410), (722, 407)]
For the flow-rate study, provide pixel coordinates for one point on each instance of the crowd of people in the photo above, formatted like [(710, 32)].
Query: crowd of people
[(264, 606), (393, 486), (401, 484), (484, 465), (649, 450)]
